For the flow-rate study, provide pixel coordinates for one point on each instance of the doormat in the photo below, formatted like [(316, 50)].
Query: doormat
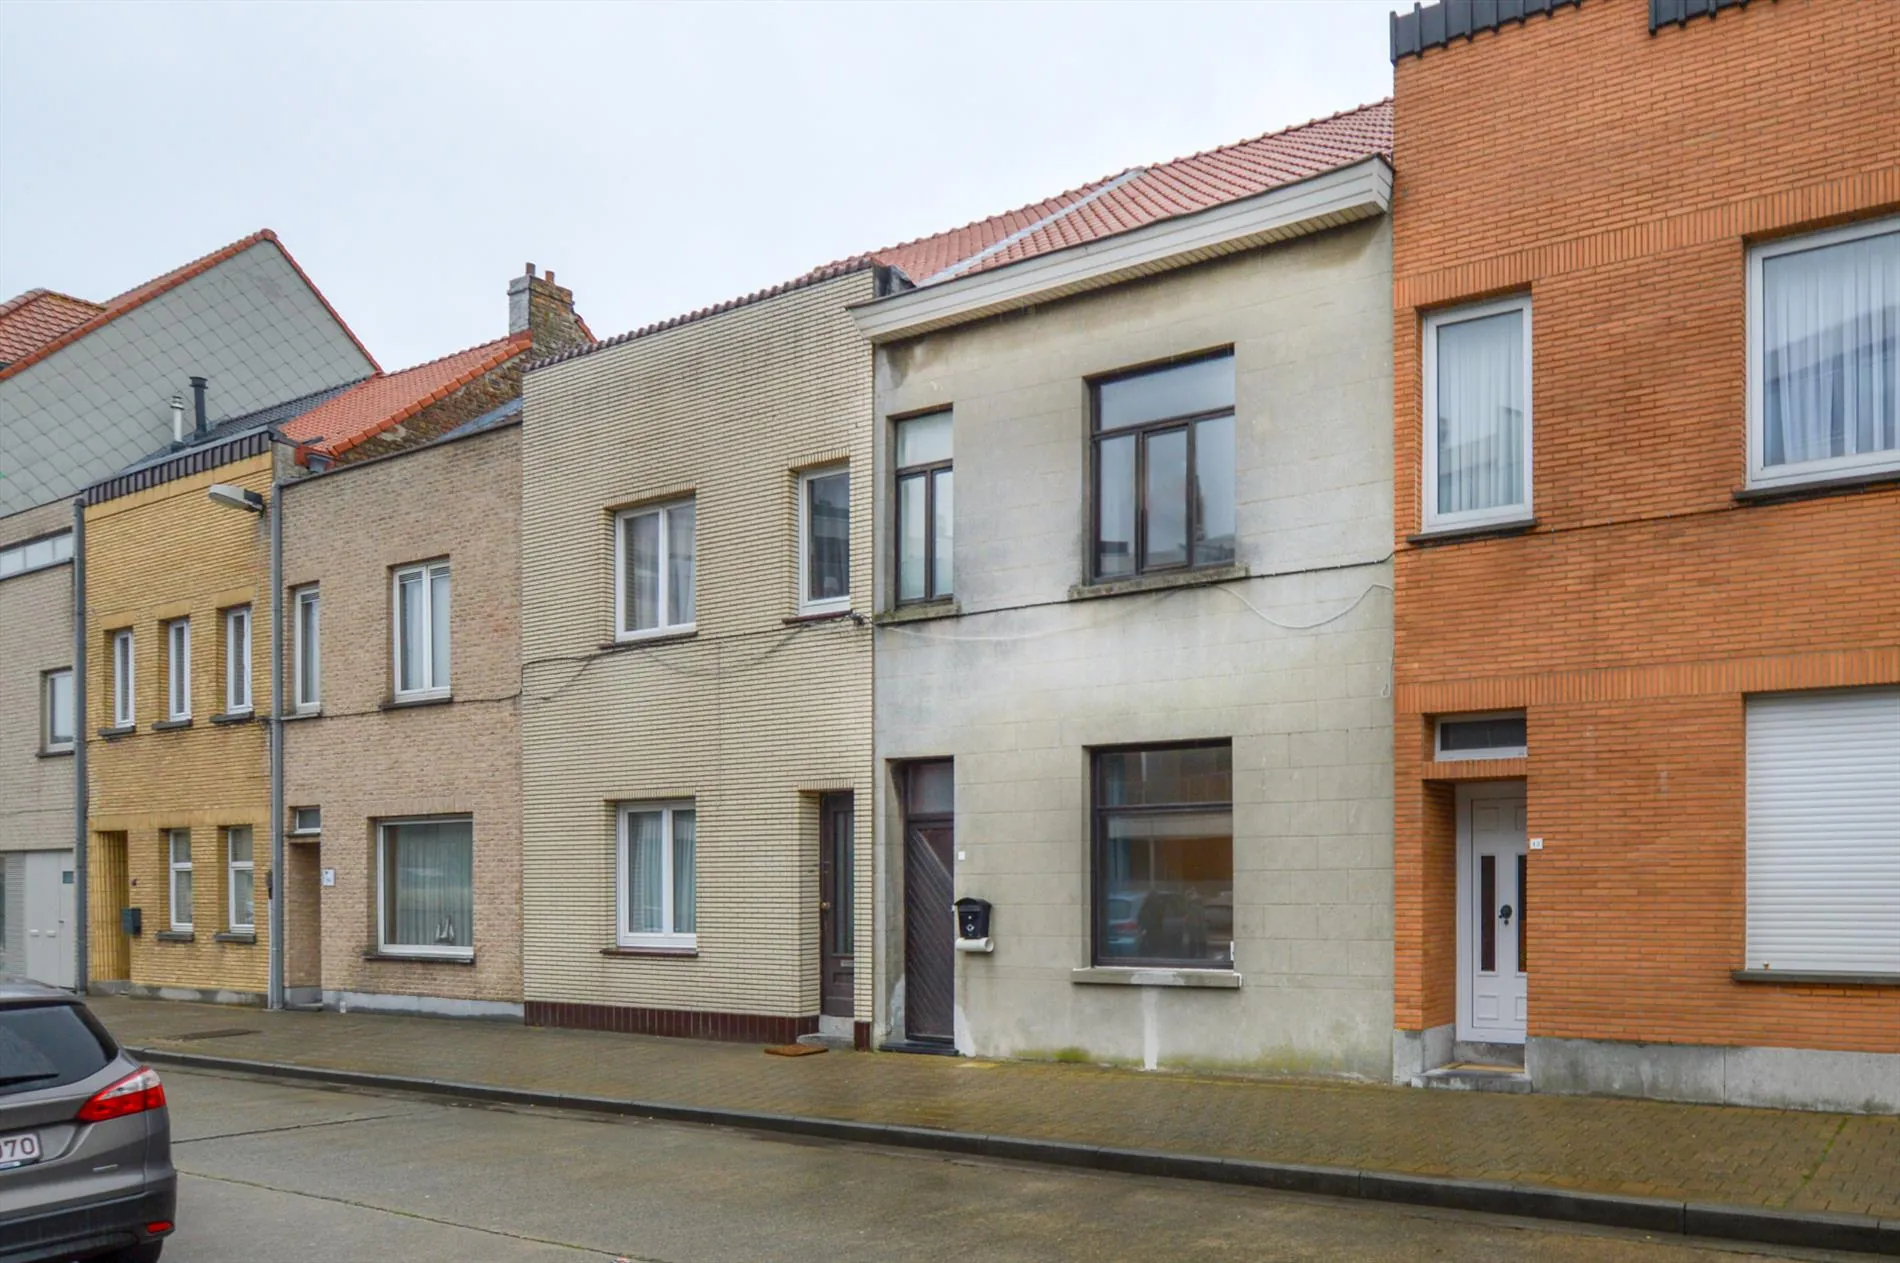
[(794, 1050)]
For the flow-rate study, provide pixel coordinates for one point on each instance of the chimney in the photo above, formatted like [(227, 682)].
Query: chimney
[(198, 403), (178, 418), (539, 307)]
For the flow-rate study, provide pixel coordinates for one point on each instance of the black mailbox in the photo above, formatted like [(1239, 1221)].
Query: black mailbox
[(973, 918), (132, 920)]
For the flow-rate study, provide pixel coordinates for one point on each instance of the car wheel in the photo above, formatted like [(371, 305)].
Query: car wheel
[(146, 1253)]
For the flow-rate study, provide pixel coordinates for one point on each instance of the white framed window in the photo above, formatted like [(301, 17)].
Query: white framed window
[(1477, 436), (56, 711), (178, 669), (824, 540), (123, 679), (241, 879), (1824, 355), (1823, 841), (178, 856), (1498, 735), (422, 630), (306, 668), (654, 570), (306, 822), (36, 554), (425, 902), (237, 660), (657, 888)]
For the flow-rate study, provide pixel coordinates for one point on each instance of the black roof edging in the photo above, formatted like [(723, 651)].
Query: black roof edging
[(1437, 25)]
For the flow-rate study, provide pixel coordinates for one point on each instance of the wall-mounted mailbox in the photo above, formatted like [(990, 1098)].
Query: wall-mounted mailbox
[(132, 921), (973, 926)]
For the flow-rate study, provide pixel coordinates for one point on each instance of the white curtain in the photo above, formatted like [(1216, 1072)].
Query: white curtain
[(1831, 351), (439, 628), (679, 564), (646, 886), (1480, 370), (429, 884), (413, 623), (685, 842), (641, 553)]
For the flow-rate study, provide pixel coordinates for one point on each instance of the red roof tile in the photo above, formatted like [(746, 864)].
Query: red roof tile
[(139, 295), (31, 320), (386, 400)]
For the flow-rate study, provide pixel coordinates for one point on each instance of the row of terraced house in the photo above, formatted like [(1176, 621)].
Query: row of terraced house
[(1413, 597)]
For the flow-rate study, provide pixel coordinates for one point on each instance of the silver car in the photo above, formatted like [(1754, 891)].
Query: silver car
[(85, 1139)]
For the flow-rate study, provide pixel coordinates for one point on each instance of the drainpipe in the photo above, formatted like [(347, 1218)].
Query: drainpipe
[(81, 802), (275, 722)]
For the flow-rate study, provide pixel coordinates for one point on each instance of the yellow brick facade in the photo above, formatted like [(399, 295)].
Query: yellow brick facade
[(154, 555)]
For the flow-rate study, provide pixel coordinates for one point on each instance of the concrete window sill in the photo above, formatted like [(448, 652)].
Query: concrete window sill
[(646, 639), (1459, 534), (1171, 579), (238, 717), (315, 712), (922, 612), (67, 753), (1817, 487), (421, 958), (1156, 976), (1813, 978), (175, 936), (818, 616), (247, 937), (113, 734), (414, 703), (683, 953), (170, 725)]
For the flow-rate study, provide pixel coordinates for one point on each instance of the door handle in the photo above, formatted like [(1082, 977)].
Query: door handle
[(1504, 914), (824, 905)]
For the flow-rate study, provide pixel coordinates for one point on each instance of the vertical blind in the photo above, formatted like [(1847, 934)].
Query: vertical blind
[(1480, 405)]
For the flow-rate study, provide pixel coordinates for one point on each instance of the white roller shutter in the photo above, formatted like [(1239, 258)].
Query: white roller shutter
[(1824, 831)]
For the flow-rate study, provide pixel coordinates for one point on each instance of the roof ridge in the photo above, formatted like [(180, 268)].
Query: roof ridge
[(520, 336), (1277, 132), (1029, 230), (1086, 188), (38, 292)]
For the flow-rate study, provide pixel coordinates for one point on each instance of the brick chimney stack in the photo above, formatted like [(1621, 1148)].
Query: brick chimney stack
[(546, 311)]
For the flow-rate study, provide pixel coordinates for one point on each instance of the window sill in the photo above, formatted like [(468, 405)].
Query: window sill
[(304, 835), (1156, 976), (246, 937), (1810, 978), (921, 612), (315, 712), (175, 936), (411, 703), (816, 616), (1200, 578), (1815, 487), (682, 953), (235, 717), (639, 640), (1459, 534), (67, 753), (171, 725), (421, 958), (113, 734)]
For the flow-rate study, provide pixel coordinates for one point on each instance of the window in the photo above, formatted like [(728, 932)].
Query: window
[(237, 660), (123, 680), (427, 903), (56, 709), (1500, 736), (1477, 442), (1824, 354), (306, 650), (306, 822), (653, 587), (925, 499), (1164, 856), (1164, 469), (422, 630), (242, 883), (657, 902), (178, 669), (1824, 832), (36, 554), (179, 841), (824, 533)]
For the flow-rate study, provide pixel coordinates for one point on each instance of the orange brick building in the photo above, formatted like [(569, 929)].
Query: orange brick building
[(1647, 658)]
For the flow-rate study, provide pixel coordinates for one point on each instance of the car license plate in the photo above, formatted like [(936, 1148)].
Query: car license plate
[(19, 1149)]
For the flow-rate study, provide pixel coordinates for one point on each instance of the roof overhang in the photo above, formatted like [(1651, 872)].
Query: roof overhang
[(1343, 195)]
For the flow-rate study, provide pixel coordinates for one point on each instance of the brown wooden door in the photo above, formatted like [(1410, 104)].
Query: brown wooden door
[(837, 988), (930, 971)]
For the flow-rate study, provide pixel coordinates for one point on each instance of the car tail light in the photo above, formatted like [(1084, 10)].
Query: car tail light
[(134, 1094)]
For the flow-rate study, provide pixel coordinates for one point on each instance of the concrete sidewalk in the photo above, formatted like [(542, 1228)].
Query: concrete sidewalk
[(1826, 1180)]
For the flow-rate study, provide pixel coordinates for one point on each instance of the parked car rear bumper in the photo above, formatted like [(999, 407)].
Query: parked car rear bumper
[(102, 1225)]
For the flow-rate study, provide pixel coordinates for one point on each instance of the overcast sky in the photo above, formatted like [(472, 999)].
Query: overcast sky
[(658, 157)]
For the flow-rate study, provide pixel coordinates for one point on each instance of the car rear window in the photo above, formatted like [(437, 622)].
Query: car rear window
[(49, 1046)]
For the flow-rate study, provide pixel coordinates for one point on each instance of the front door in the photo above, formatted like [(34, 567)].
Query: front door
[(1493, 945), (49, 917), (930, 930), (837, 990)]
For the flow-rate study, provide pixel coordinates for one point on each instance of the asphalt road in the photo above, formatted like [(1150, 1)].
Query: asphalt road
[(274, 1173)]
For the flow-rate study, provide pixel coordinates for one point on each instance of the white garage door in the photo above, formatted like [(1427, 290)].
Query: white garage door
[(1824, 831)]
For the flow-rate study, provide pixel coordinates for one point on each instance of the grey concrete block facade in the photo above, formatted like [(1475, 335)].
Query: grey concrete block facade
[(1289, 660)]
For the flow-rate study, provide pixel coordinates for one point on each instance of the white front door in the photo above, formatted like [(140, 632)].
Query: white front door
[(49, 916), (1493, 999)]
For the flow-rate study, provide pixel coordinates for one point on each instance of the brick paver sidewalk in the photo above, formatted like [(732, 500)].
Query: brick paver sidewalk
[(1785, 1160)]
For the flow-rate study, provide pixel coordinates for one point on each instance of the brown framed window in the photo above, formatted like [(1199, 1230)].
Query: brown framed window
[(1164, 856), (925, 500), (1162, 463)]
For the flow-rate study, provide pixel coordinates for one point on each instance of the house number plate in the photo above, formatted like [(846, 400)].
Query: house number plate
[(19, 1149)]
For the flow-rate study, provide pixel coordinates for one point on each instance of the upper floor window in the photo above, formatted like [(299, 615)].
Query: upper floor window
[(56, 709), (1478, 415), (178, 669), (124, 686), (422, 630), (237, 660), (824, 535), (1164, 468), (925, 498), (653, 585), (306, 662), (36, 554), (1824, 354)]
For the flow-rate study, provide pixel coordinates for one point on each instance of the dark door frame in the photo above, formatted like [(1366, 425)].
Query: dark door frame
[(837, 904)]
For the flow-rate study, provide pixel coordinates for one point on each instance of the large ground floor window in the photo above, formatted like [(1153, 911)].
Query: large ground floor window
[(426, 896), (658, 890), (1164, 856)]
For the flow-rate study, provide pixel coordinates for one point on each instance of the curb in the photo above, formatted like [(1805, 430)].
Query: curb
[(1807, 1229)]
